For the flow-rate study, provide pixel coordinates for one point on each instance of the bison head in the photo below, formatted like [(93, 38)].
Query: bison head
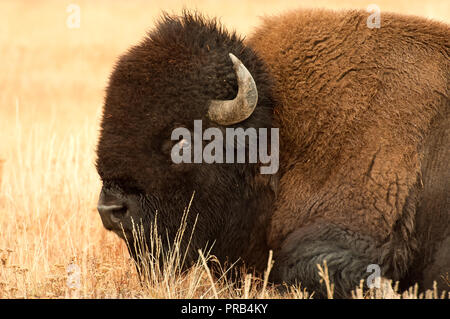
[(189, 68)]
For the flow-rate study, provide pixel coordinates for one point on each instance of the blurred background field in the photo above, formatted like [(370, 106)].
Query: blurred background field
[(52, 84)]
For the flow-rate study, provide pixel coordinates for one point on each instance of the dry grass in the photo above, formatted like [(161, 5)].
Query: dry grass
[(52, 85)]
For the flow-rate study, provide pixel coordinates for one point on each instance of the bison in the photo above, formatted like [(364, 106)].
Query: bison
[(364, 135)]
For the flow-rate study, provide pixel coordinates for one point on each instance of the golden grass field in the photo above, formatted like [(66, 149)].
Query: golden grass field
[(52, 83)]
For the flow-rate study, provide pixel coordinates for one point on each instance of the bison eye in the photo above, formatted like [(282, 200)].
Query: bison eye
[(168, 145), (184, 143)]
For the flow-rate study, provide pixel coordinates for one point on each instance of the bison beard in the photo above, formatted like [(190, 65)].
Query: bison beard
[(363, 114)]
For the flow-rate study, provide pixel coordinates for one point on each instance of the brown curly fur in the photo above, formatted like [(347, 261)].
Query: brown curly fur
[(364, 143), (355, 106)]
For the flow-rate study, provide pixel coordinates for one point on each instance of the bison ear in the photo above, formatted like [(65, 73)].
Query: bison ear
[(242, 106)]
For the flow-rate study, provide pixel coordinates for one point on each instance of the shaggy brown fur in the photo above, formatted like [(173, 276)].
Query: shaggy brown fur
[(356, 107), (365, 144), (163, 83)]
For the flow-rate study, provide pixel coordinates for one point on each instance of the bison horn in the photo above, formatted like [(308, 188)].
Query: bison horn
[(242, 106)]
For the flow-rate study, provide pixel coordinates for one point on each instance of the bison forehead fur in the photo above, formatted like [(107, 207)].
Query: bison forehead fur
[(364, 119)]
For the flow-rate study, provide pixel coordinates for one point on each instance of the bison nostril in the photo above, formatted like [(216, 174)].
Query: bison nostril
[(118, 213), (113, 212), (113, 208)]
